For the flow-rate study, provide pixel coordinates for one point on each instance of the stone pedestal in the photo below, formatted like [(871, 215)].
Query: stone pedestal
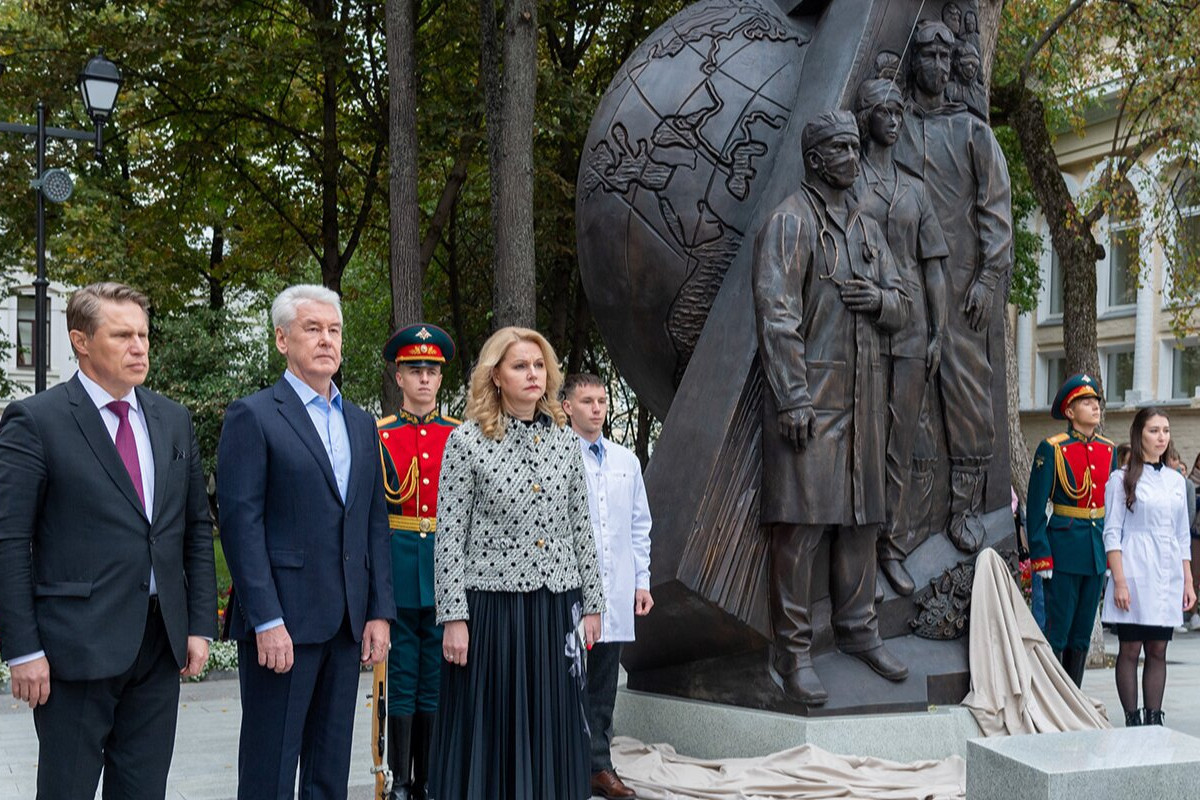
[(711, 730), (1147, 762)]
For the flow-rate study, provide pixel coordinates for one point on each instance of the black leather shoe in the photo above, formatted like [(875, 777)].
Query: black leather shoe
[(897, 576), (1154, 716), (1133, 719), (883, 662), (803, 686)]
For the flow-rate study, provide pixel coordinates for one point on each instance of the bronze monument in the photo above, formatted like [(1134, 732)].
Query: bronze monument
[(771, 483)]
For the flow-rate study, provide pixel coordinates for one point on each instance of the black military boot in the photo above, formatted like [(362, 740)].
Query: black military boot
[(1154, 716), (1133, 719), (422, 741), (400, 729), (1075, 662)]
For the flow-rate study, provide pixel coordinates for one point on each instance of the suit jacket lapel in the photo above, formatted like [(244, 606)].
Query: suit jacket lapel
[(158, 446), (358, 454), (297, 416), (87, 416)]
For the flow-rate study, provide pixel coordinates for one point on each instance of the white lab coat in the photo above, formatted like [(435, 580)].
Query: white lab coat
[(1154, 542), (621, 524)]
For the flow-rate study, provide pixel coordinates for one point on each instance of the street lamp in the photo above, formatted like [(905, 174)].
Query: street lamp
[(98, 84)]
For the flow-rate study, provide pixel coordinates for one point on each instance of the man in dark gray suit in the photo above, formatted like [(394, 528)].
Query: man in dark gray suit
[(107, 584)]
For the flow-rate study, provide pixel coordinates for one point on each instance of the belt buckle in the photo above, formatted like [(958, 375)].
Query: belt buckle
[(425, 525)]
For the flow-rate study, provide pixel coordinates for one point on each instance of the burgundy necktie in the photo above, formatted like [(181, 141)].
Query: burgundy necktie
[(127, 446)]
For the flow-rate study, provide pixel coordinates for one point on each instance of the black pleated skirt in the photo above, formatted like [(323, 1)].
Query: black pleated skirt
[(512, 722)]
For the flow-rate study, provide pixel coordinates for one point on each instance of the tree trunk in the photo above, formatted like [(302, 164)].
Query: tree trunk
[(514, 293), (216, 257), (1070, 232), (642, 440), (327, 46), (447, 200), (404, 217), (582, 319), (458, 318), (1018, 451), (493, 113)]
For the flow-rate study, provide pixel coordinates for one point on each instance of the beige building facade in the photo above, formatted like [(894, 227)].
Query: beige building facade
[(1142, 361)]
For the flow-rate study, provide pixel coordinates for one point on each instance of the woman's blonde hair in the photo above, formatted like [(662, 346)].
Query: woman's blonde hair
[(483, 402)]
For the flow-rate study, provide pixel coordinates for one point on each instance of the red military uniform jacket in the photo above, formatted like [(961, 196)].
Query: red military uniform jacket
[(1070, 472), (411, 457)]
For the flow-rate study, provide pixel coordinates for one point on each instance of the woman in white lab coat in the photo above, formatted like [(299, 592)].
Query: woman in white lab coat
[(1147, 540)]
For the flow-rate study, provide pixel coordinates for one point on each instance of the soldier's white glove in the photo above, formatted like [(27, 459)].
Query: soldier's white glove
[(1045, 574)]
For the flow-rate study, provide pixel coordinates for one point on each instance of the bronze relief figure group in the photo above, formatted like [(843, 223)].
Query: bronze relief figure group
[(874, 287)]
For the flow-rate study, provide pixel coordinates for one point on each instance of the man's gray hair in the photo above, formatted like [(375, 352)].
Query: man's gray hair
[(283, 310)]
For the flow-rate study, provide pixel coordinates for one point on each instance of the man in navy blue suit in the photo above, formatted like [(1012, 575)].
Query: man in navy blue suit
[(304, 526)]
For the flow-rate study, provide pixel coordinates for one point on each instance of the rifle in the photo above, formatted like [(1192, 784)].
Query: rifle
[(383, 775)]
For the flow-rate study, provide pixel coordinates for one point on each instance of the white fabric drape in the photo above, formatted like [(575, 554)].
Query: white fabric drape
[(1017, 685), (807, 772)]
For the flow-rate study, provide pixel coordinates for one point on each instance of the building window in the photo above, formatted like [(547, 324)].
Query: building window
[(1055, 368), (1185, 194), (25, 327), (1123, 238), (1185, 373), (1119, 378), (1055, 295)]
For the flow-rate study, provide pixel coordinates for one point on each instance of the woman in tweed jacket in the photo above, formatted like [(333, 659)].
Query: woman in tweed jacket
[(515, 576)]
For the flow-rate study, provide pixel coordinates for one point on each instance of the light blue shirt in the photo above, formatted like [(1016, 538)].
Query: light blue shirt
[(596, 448), (330, 421)]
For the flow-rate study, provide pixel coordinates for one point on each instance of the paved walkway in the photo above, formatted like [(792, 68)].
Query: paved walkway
[(205, 763)]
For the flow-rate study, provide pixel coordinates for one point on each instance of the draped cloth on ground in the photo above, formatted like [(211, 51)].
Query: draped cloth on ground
[(1017, 685), (807, 772)]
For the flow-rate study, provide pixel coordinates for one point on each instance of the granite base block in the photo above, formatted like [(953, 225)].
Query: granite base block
[(1151, 762), (711, 730)]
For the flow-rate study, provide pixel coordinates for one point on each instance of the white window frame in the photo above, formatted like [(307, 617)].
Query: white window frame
[(1047, 264), (1043, 392), (1105, 352), (1166, 370), (1104, 272), (1172, 230)]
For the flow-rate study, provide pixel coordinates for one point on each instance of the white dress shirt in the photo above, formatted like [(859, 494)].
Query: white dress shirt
[(137, 421), (1154, 542), (621, 524)]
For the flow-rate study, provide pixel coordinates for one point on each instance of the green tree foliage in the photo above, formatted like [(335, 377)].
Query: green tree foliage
[(1061, 66), (249, 151), (206, 359)]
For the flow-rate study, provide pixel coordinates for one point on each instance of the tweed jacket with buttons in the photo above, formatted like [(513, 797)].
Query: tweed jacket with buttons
[(513, 517)]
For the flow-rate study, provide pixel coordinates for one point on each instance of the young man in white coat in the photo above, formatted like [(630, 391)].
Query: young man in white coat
[(621, 522)]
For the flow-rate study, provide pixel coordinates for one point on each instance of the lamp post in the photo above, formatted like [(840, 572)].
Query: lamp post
[(98, 84)]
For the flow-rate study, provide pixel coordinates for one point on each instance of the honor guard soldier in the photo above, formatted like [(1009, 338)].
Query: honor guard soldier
[(411, 445), (1065, 509)]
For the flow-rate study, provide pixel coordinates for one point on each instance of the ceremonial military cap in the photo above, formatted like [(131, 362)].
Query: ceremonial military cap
[(420, 344), (1075, 387)]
